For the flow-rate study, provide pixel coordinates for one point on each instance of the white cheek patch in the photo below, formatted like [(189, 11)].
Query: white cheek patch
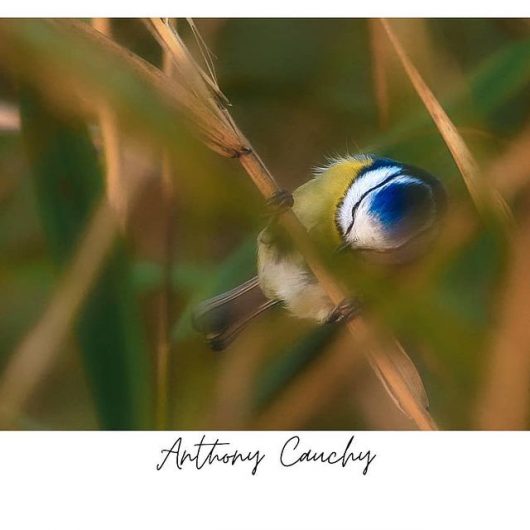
[(367, 231), (360, 187)]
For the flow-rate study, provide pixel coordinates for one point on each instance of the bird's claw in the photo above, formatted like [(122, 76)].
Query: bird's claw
[(347, 310), (279, 202)]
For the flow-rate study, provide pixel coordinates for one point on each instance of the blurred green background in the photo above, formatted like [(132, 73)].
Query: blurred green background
[(301, 90)]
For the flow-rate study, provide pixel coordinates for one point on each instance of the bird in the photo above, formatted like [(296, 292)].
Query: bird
[(380, 208)]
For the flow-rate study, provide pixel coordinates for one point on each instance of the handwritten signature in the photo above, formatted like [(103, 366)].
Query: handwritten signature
[(206, 453)]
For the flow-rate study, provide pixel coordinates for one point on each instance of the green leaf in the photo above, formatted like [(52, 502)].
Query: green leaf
[(68, 181)]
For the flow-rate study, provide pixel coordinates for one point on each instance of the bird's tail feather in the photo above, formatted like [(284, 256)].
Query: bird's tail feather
[(223, 317)]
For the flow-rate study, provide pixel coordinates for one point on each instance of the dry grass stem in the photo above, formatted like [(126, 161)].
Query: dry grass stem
[(116, 188), (377, 410), (508, 174), (180, 98), (381, 359), (204, 100), (35, 355), (486, 199), (32, 359), (504, 401)]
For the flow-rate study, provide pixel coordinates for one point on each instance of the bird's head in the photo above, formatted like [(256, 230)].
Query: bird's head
[(391, 209)]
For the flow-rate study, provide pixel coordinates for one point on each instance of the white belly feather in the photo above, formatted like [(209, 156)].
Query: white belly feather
[(285, 277)]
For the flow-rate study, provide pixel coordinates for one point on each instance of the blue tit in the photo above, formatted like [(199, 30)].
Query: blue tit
[(375, 206)]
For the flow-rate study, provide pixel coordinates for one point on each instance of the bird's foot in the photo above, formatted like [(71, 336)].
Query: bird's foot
[(347, 310), (279, 202)]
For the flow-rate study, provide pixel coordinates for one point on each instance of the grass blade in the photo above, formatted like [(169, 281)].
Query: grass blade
[(488, 202), (34, 357), (68, 182)]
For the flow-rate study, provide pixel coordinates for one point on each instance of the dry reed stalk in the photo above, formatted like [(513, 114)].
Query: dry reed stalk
[(115, 186), (33, 357), (508, 174), (503, 402), (117, 197), (487, 200), (374, 407), (179, 99), (37, 352), (504, 399), (202, 97), (389, 363)]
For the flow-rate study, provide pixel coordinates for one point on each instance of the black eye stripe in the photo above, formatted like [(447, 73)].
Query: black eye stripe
[(377, 186)]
